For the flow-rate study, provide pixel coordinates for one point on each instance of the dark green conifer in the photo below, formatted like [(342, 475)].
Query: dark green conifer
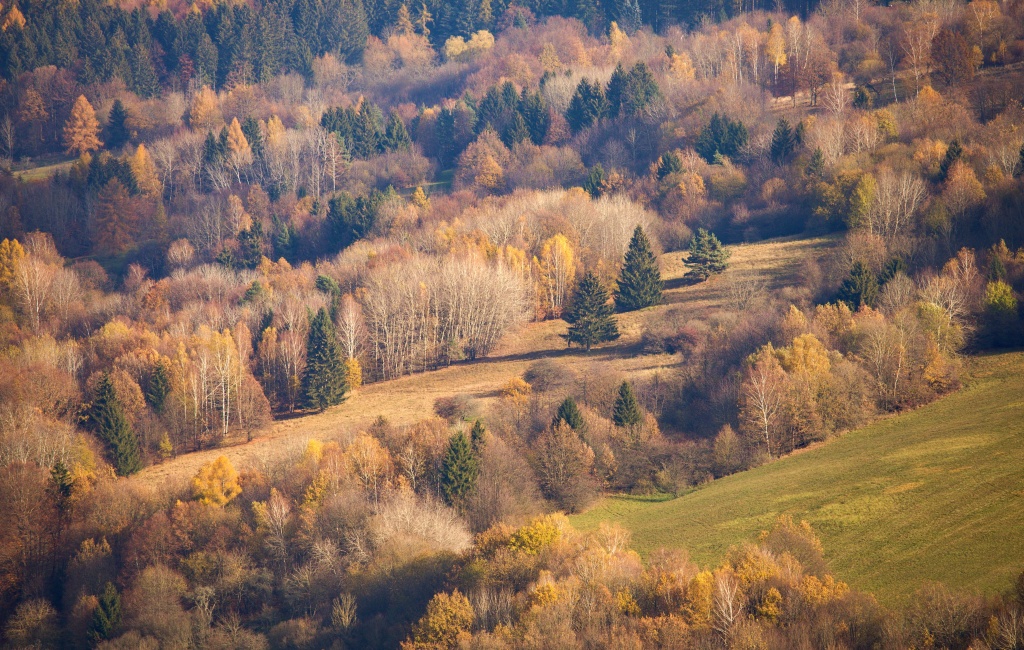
[(396, 137), (860, 288), (782, 142), (953, 153), (459, 470), (116, 134), (707, 256), (626, 412), (640, 282), (323, 382), (816, 166), (587, 106), (476, 436), (158, 387), (112, 426), (106, 617), (590, 317), (669, 164), (595, 181), (569, 413)]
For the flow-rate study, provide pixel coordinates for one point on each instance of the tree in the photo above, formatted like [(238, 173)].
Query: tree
[(563, 465), (82, 130), (569, 413), (112, 426), (761, 397), (396, 137), (144, 172), (106, 617), (117, 134), (587, 106), (459, 470), (216, 483), (859, 288), (323, 381), (447, 617), (640, 280), (639, 92), (721, 137), (590, 316), (626, 412), (476, 436), (115, 223), (953, 57), (782, 142), (954, 152), (158, 387), (707, 256)]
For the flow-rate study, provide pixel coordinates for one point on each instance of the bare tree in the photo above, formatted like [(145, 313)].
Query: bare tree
[(763, 393)]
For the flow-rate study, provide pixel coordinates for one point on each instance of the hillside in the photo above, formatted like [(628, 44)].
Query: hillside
[(772, 263), (934, 494)]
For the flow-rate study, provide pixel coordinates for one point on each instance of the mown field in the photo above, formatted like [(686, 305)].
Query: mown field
[(933, 494)]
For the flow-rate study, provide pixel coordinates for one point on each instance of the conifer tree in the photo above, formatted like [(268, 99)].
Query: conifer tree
[(953, 153), (476, 436), (595, 181), (587, 106), (323, 381), (116, 134), (860, 288), (106, 617), (782, 142), (396, 137), (640, 280), (626, 412), (669, 164), (640, 90), (590, 317), (816, 166), (158, 387), (707, 256), (459, 470), (613, 91), (82, 130), (569, 413), (112, 426)]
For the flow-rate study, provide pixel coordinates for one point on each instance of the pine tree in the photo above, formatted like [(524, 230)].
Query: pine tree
[(569, 413), (707, 256), (613, 91), (782, 142), (112, 426), (860, 288), (158, 387), (953, 153), (626, 412), (721, 137), (476, 436), (590, 317), (459, 470), (396, 137), (323, 381), (106, 617), (82, 130), (640, 280), (116, 134), (587, 106)]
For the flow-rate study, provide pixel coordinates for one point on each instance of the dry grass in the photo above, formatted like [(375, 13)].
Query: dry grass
[(774, 263)]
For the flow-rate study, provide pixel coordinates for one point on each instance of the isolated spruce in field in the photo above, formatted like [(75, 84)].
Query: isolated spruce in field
[(707, 256), (626, 412), (640, 280), (459, 470), (569, 413), (112, 426), (590, 317), (323, 382)]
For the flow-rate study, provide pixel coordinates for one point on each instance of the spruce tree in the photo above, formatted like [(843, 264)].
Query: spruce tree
[(860, 288), (707, 256), (669, 164), (640, 281), (782, 142), (158, 387), (112, 426), (953, 153), (595, 181), (323, 382), (626, 412), (640, 91), (569, 413), (587, 106), (816, 166), (459, 470), (590, 316), (396, 137), (476, 436), (106, 617), (116, 134), (613, 91)]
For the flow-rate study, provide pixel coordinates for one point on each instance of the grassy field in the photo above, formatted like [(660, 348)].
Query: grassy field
[(934, 494), (771, 263)]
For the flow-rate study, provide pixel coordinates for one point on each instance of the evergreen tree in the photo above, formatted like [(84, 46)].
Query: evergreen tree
[(459, 470), (707, 256), (112, 426), (782, 142), (669, 164), (254, 135), (116, 134), (106, 617), (613, 91), (1020, 162), (158, 387), (476, 437), (860, 288), (595, 181), (590, 317), (640, 280), (721, 137), (587, 106), (640, 91), (517, 131), (626, 412), (953, 153), (816, 166), (535, 112), (323, 381), (251, 244), (569, 413), (396, 137)]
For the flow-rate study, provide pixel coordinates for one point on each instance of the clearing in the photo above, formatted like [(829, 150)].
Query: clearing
[(932, 494), (771, 264)]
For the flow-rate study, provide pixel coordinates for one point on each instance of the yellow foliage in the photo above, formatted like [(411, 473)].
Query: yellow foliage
[(237, 142), (14, 17), (82, 130), (820, 592), (448, 617), (419, 198), (626, 603), (11, 254), (144, 172), (545, 592), (316, 491), (216, 483), (353, 374), (697, 604), (538, 534), (275, 131), (805, 356), (617, 38), (682, 66), (314, 451), (770, 607), (754, 565), (517, 390), (204, 111)]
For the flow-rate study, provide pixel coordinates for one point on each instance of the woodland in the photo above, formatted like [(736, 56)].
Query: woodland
[(220, 217)]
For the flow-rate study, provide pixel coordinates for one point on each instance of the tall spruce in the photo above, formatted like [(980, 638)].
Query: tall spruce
[(569, 413), (158, 387), (587, 106), (106, 617), (707, 256), (783, 142), (323, 382), (954, 152), (859, 288), (590, 317), (116, 134), (626, 412), (476, 436), (112, 426), (459, 470), (640, 282)]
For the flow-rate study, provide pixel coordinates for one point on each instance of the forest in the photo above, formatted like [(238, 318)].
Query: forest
[(219, 219)]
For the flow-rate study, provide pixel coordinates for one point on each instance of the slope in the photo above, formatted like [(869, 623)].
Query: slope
[(933, 494)]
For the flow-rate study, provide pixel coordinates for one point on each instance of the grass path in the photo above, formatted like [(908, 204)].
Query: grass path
[(933, 494), (774, 263)]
